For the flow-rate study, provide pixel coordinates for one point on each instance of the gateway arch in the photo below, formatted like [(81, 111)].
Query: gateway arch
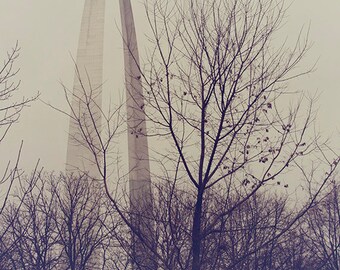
[(82, 153)]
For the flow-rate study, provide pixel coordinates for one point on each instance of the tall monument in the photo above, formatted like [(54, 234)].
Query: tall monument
[(86, 121), (83, 143), (139, 166), (83, 148)]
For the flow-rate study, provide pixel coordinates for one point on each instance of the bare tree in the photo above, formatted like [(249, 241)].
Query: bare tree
[(79, 222), (33, 232), (322, 230), (247, 237), (64, 222), (216, 89), (10, 109)]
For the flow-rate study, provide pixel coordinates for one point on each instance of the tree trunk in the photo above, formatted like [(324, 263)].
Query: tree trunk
[(196, 232)]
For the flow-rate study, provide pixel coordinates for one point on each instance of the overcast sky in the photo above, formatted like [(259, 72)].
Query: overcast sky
[(47, 31)]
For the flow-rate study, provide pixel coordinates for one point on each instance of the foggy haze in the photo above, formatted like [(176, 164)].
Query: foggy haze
[(48, 31)]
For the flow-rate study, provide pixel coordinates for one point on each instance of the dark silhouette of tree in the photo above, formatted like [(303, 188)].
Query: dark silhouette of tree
[(216, 88)]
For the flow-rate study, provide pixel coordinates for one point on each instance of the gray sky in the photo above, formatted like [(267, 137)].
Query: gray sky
[(48, 30)]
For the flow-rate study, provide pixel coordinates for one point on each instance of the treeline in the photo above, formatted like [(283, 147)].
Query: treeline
[(67, 223)]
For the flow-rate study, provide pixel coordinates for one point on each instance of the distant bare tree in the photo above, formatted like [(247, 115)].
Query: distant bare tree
[(247, 237), (79, 221), (10, 109), (322, 230), (64, 222), (33, 232)]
